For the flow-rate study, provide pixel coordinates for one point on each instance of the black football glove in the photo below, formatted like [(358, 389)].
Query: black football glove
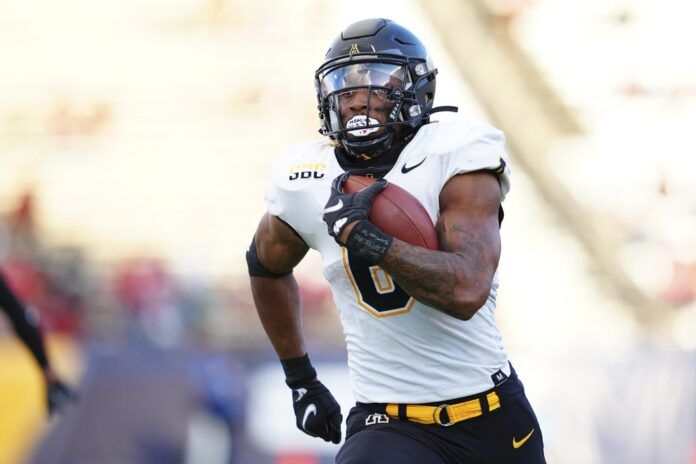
[(345, 208), (58, 395), (316, 411)]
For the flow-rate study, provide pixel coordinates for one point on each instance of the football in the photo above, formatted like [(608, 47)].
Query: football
[(398, 213)]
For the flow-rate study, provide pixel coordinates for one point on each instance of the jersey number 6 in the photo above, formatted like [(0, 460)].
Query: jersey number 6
[(375, 290)]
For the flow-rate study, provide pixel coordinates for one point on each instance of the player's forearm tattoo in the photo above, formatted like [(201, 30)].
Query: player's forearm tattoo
[(445, 279)]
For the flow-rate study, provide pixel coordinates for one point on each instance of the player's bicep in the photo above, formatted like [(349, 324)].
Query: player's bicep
[(278, 246), (468, 223)]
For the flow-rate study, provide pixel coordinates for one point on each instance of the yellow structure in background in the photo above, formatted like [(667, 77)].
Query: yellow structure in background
[(22, 395)]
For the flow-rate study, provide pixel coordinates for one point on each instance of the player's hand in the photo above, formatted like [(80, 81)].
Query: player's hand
[(343, 208), (316, 412), (58, 395)]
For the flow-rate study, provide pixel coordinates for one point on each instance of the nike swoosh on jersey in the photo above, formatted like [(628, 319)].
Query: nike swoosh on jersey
[(406, 170), (311, 409), (335, 207), (517, 444)]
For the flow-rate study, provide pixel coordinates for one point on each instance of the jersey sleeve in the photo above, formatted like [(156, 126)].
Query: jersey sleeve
[(277, 205), (277, 195), (481, 148), (274, 198), (294, 201)]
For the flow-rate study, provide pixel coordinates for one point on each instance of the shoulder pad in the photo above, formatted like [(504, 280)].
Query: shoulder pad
[(295, 192), (450, 136), (310, 158), (466, 146)]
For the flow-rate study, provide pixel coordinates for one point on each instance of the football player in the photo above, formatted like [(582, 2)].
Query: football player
[(57, 393), (431, 378)]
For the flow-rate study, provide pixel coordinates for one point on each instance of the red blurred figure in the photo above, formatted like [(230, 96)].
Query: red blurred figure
[(297, 458)]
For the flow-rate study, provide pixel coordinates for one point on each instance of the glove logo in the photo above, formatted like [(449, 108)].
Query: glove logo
[(311, 409), (336, 207), (300, 393), (338, 225)]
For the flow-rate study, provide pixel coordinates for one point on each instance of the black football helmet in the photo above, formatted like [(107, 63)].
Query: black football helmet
[(393, 66)]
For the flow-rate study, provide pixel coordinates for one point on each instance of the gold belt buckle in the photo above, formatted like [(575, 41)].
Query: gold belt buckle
[(436, 416)]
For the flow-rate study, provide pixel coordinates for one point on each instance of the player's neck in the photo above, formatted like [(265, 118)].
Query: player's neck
[(377, 167)]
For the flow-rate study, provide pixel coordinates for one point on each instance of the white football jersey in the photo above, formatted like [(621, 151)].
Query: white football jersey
[(399, 350)]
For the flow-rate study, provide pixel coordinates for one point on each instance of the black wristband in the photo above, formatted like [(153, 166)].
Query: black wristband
[(368, 242), (298, 371)]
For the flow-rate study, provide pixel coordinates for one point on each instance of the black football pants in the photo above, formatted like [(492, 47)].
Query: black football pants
[(508, 435)]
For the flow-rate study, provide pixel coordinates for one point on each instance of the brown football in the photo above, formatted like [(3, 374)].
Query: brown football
[(398, 213)]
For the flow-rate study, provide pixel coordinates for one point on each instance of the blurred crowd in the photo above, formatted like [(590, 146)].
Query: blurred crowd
[(139, 300), (173, 350), (94, 260), (50, 282), (632, 168)]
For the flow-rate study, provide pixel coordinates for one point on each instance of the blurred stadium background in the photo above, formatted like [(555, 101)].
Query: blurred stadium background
[(135, 142)]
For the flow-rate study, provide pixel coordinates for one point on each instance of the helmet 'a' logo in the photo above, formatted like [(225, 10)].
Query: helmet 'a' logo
[(354, 49)]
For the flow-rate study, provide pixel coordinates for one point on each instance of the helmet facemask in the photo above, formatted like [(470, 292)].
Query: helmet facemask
[(365, 102)]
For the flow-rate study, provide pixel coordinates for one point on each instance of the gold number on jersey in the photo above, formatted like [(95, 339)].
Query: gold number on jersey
[(383, 281), (375, 290)]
